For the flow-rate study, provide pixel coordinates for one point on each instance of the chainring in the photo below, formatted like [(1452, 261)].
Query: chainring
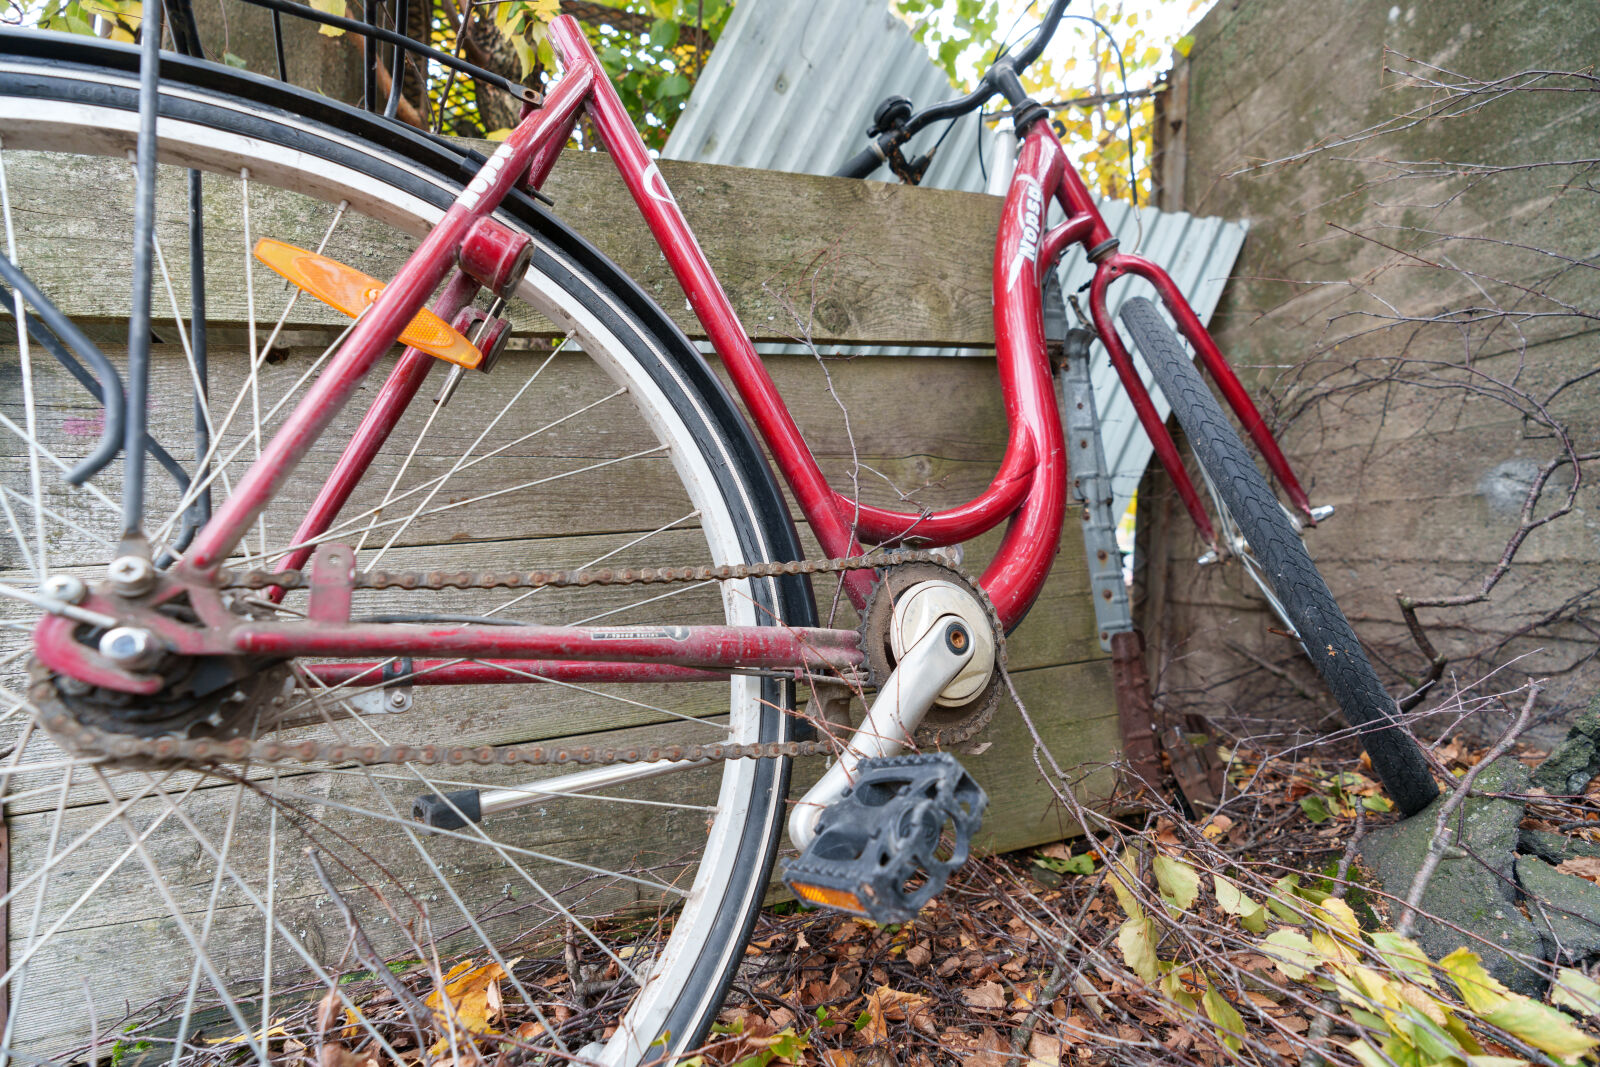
[(943, 726)]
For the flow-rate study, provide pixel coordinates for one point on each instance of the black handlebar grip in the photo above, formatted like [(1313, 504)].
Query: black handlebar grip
[(861, 164)]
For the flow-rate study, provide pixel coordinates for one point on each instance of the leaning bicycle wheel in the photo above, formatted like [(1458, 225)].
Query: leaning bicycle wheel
[(1278, 560), (175, 911)]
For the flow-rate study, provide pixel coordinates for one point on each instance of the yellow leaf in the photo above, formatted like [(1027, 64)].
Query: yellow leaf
[(1290, 953), (1330, 948), (1124, 877), (329, 7), (1369, 1056), (1183, 44), (1340, 919), (1422, 1001), (1406, 957), (1478, 987), (469, 1000), (264, 1036), (1542, 1027), (1137, 941)]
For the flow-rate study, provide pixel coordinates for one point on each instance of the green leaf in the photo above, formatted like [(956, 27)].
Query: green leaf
[(1082, 863), (1576, 990), (671, 85), (1179, 883), (1316, 808), (1183, 44), (1543, 1027), (663, 33), (862, 1020), (1225, 1016), (1234, 901), (1378, 804), (1137, 940), (1291, 953), (234, 61)]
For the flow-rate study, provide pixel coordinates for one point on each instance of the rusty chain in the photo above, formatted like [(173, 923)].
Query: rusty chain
[(86, 738)]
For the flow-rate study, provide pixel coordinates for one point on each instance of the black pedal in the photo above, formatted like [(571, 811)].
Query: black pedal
[(887, 846)]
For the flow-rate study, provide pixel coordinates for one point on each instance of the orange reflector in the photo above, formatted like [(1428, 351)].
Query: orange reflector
[(829, 898), (348, 290)]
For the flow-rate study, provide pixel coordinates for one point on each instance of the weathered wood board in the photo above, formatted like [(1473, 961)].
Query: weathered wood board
[(846, 261), (545, 489)]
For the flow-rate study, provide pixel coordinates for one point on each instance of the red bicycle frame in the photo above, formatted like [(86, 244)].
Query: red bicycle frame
[(1028, 492)]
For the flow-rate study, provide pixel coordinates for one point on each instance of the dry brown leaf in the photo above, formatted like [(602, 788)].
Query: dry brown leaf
[(838, 1057), (919, 955), (1582, 866), (885, 1005), (989, 995), (1045, 1048), (990, 1051)]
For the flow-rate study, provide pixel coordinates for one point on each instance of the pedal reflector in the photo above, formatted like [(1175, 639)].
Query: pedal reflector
[(352, 292), (891, 842)]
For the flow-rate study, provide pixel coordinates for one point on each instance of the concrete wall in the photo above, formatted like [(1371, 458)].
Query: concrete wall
[(1407, 318)]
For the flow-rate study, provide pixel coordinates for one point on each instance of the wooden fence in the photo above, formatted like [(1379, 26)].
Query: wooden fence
[(833, 261)]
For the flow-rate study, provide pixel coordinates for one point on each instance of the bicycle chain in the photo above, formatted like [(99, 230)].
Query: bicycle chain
[(85, 738)]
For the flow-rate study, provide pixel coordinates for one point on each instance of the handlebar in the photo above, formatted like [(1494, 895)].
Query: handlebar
[(1003, 78), (861, 164)]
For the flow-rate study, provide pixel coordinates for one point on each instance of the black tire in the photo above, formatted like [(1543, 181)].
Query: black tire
[(1328, 638), (309, 132)]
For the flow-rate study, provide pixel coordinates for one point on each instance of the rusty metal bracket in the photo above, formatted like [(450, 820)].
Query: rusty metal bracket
[(1136, 711)]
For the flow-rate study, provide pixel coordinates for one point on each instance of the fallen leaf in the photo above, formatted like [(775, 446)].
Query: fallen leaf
[(1576, 990), (990, 1051), (469, 1001), (1178, 881), (885, 1005), (1044, 1048), (263, 1036), (986, 995), (919, 955), (1290, 953), (1583, 866), (838, 1057), (1136, 939)]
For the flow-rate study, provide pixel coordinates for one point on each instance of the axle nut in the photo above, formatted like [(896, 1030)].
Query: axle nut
[(130, 647)]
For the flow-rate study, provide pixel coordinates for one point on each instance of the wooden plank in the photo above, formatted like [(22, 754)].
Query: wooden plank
[(844, 261), (125, 921)]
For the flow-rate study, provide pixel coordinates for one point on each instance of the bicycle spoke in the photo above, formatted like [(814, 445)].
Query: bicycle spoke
[(30, 415)]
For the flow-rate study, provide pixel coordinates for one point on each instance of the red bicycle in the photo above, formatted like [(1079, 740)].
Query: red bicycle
[(284, 727)]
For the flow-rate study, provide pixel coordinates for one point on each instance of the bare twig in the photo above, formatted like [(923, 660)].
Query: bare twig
[(1441, 841)]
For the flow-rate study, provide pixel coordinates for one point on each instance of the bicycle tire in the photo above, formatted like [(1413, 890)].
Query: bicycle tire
[(1330, 642), (63, 94)]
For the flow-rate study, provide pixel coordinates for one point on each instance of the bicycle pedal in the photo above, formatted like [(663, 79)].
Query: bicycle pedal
[(889, 845)]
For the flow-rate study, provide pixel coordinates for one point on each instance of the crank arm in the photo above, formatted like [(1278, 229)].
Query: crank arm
[(922, 674)]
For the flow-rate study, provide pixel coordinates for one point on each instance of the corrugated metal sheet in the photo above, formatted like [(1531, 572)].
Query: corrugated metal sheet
[(792, 86)]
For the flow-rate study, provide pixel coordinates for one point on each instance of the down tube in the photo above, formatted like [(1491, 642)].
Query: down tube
[(1016, 575)]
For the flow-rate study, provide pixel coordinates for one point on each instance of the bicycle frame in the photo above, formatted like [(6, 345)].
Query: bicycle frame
[(1028, 492)]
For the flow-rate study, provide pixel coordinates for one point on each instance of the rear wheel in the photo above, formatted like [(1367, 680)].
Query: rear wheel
[(1277, 559), (180, 906)]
